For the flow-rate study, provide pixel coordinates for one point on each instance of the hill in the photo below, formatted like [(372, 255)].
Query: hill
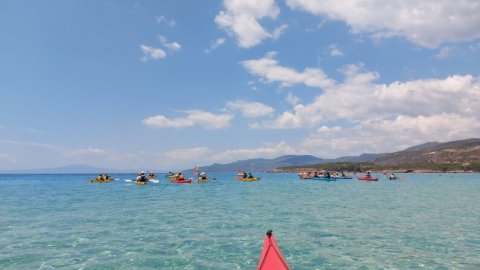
[(454, 156)]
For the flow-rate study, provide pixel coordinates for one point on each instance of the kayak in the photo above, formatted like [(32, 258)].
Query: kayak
[(249, 179), (367, 178), (392, 178), (172, 175), (342, 177), (182, 181), (140, 182), (323, 178), (271, 257), (100, 181)]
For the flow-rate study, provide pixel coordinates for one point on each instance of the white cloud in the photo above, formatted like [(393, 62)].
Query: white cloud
[(269, 69), (217, 43), (267, 151), (335, 51), (249, 108), (292, 99), (194, 117), (89, 152), (151, 53), (428, 23), (173, 46), (241, 19), (359, 98), (325, 129), (191, 154), (163, 19)]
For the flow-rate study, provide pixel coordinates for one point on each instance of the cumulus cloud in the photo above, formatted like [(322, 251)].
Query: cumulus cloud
[(249, 108), (359, 97), (271, 71), (241, 19), (194, 117), (152, 53), (428, 23)]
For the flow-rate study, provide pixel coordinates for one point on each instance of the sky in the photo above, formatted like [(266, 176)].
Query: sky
[(168, 85)]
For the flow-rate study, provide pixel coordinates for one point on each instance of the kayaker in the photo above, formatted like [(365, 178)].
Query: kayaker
[(245, 175), (141, 177), (203, 175), (369, 175), (327, 174), (100, 177), (250, 175), (180, 176)]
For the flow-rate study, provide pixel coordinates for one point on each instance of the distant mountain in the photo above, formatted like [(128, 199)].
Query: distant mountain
[(75, 168), (361, 158), (264, 165)]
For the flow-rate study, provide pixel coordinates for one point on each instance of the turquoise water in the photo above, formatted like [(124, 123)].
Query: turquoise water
[(425, 221)]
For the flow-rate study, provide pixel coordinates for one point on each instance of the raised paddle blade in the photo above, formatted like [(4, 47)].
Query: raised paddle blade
[(271, 258)]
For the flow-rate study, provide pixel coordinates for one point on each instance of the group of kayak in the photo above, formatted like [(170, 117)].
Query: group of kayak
[(333, 176), (323, 175)]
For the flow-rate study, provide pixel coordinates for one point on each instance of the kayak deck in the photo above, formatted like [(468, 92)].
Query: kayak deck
[(271, 257)]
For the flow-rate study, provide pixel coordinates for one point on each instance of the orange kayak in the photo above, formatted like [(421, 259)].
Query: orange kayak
[(271, 258)]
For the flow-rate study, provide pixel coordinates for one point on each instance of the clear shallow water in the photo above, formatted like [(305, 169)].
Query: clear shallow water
[(425, 221)]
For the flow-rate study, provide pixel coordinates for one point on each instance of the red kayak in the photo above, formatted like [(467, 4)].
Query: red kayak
[(367, 178), (181, 181), (271, 258)]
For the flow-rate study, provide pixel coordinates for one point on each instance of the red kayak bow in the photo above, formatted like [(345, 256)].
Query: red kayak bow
[(271, 258)]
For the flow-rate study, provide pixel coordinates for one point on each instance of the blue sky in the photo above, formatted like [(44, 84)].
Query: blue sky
[(169, 84)]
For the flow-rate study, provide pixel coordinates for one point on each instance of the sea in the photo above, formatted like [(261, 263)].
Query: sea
[(63, 221)]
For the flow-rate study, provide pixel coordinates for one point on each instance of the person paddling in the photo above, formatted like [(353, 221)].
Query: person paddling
[(141, 177)]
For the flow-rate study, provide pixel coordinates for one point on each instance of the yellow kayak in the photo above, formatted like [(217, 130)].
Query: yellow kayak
[(100, 181), (140, 182), (249, 179)]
